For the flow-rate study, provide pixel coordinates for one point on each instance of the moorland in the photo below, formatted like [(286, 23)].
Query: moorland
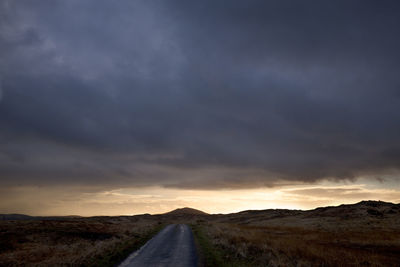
[(362, 234)]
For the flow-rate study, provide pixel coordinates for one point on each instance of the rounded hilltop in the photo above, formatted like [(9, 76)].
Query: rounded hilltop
[(186, 211)]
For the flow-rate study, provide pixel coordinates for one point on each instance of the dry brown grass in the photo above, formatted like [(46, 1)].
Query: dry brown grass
[(299, 246), (70, 242), (363, 234)]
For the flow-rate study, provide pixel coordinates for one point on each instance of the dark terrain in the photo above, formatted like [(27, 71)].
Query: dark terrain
[(362, 234)]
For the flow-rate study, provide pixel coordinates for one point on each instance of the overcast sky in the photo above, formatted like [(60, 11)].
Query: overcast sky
[(198, 95)]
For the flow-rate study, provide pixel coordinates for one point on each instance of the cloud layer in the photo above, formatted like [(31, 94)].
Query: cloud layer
[(204, 94)]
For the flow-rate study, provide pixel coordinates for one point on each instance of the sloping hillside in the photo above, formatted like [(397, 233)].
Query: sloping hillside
[(186, 211)]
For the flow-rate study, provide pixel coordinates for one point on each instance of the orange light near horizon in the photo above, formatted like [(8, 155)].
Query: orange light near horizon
[(154, 200)]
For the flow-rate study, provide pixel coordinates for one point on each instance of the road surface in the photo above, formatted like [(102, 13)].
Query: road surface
[(173, 246)]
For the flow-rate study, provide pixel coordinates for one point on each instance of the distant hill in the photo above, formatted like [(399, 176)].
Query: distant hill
[(361, 209), (21, 217), (346, 215), (186, 211), (15, 217)]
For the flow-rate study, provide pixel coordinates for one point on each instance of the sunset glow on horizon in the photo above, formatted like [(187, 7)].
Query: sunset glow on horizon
[(157, 200)]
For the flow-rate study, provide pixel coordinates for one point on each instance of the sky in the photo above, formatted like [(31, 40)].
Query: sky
[(128, 107)]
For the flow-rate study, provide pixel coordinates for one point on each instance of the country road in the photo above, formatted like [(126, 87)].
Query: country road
[(172, 246)]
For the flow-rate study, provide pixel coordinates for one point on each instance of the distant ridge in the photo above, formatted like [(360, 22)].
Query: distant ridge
[(186, 211), (363, 208), (21, 217), (15, 217), (375, 203)]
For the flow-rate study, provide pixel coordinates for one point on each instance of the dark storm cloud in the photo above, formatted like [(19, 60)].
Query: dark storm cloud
[(202, 94)]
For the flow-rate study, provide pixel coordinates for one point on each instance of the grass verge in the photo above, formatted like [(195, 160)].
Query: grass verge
[(211, 255), (121, 251)]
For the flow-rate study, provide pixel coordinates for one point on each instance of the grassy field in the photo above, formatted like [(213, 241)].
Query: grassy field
[(364, 234), (101, 241), (239, 245)]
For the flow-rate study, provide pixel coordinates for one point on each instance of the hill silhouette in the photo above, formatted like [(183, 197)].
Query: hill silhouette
[(186, 211)]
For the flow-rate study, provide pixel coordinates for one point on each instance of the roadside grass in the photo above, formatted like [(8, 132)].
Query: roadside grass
[(212, 255), (118, 253), (101, 241), (241, 245)]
